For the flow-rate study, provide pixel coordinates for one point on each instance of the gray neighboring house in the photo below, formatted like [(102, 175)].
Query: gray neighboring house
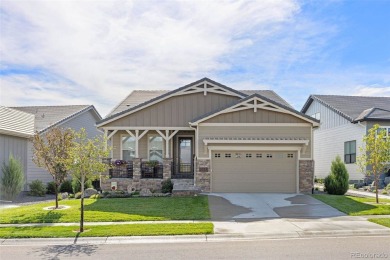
[(16, 127), (40, 119), (344, 122), (208, 136)]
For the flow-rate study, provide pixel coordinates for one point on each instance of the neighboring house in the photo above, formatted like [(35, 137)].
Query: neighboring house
[(40, 119), (16, 127), (344, 122), (212, 137)]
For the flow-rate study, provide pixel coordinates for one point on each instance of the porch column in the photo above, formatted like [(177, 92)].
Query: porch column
[(167, 168), (137, 173)]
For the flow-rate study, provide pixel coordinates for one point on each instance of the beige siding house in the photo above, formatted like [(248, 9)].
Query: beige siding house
[(40, 119), (209, 137)]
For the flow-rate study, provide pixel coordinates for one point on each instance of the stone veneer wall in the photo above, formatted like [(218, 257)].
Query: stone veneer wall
[(306, 176), (137, 183), (202, 178)]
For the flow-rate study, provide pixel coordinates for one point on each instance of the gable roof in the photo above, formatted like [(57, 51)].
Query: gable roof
[(138, 99), (16, 123), (50, 116), (373, 114), (261, 97), (350, 107)]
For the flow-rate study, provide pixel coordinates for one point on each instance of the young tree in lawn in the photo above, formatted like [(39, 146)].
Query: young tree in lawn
[(85, 163), (375, 154), (51, 150)]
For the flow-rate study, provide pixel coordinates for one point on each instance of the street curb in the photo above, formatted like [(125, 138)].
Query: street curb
[(190, 238)]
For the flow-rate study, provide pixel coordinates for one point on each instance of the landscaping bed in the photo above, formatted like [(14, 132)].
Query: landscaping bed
[(108, 230), (356, 206), (103, 210)]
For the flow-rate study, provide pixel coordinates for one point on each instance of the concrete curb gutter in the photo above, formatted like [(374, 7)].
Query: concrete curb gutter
[(190, 238)]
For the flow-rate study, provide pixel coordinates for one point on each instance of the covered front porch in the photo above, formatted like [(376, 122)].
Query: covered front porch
[(141, 157)]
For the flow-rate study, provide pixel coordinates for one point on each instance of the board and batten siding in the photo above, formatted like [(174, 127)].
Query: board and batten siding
[(85, 120), (176, 111), (249, 116), (329, 143), (328, 117), (255, 132), (17, 146)]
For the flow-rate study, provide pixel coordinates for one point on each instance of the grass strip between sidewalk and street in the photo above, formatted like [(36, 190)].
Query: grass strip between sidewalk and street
[(108, 230), (107, 210), (356, 206), (381, 221)]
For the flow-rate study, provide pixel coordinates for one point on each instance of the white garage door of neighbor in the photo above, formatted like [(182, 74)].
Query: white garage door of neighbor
[(254, 171)]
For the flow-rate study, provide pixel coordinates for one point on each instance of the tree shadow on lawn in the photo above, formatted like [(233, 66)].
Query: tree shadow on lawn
[(50, 216), (152, 208), (62, 251)]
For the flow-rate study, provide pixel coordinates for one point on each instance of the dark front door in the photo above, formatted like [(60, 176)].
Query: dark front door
[(184, 163)]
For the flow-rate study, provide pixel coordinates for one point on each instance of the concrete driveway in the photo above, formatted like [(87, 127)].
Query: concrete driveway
[(241, 206), (283, 215)]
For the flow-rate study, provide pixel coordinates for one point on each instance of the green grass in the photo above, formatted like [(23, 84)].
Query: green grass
[(381, 221), (356, 206), (108, 230), (129, 209)]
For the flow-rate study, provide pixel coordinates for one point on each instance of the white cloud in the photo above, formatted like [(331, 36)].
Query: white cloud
[(110, 48), (374, 90)]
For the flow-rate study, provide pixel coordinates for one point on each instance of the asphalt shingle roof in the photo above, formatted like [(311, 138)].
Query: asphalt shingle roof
[(46, 116), (351, 107)]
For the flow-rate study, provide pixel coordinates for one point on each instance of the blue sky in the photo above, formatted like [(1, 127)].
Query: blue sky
[(96, 52)]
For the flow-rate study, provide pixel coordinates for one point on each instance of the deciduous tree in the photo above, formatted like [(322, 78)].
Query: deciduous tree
[(85, 162), (375, 154), (51, 150)]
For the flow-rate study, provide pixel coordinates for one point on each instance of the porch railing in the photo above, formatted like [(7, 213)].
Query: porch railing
[(182, 171), (124, 170), (151, 170)]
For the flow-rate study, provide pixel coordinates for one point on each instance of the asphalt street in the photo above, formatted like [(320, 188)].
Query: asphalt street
[(301, 248)]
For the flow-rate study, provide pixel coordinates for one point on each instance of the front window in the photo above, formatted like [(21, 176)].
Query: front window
[(350, 152), (128, 148), (155, 148)]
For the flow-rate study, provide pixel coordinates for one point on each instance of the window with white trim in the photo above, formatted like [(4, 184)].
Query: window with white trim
[(269, 155), (316, 116), (350, 152), (217, 155), (128, 148), (156, 148), (290, 155), (259, 155), (248, 155), (228, 155)]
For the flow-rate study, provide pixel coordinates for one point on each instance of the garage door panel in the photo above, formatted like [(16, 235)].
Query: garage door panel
[(232, 174)]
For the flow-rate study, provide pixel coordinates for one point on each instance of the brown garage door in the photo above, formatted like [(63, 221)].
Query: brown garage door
[(254, 171)]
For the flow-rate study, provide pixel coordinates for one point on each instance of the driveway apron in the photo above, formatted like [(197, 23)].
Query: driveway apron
[(241, 206)]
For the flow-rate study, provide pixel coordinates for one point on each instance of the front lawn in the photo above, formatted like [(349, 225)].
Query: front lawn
[(381, 221), (109, 230), (129, 209), (356, 206)]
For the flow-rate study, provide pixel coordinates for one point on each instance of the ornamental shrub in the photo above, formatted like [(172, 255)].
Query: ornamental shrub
[(66, 186), (37, 188), (166, 186), (51, 188), (337, 181), (13, 178)]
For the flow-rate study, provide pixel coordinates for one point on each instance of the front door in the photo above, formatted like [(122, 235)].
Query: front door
[(184, 164)]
